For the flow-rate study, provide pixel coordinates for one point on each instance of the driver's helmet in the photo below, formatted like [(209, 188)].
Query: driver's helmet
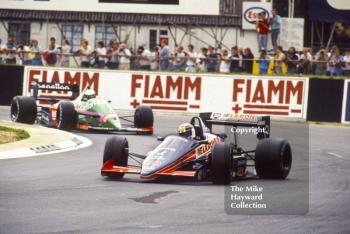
[(89, 94), (187, 130)]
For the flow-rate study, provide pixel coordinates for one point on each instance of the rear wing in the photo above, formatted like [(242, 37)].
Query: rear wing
[(236, 120), (72, 90)]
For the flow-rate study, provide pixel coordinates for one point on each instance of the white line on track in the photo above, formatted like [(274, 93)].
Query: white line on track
[(335, 155)]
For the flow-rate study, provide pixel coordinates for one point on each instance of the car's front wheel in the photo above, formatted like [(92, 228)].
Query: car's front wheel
[(116, 149), (23, 110), (273, 158), (143, 117)]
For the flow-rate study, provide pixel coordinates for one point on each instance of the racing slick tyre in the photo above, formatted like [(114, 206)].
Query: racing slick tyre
[(221, 163), (116, 149), (66, 116), (273, 158), (143, 117), (23, 110)]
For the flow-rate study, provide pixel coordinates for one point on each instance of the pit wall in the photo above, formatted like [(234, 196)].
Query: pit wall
[(291, 98)]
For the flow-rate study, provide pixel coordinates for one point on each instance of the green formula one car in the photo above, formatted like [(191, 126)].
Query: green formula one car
[(84, 111)]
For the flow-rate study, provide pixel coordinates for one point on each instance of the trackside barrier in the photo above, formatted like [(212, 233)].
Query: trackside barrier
[(346, 103), (280, 97), (11, 78), (325, 100)]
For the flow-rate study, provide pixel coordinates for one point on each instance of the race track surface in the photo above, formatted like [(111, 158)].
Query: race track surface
[(64, 193)]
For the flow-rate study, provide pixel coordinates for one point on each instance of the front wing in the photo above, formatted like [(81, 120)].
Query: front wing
[(109, 168)]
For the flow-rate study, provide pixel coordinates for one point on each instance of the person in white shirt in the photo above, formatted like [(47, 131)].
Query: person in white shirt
[(85, 54), (225, 61), (191, 59), (101, 54), (124, 57), (203, 60), (155, 58), (305, 61), (179, 59), (65, 51), (144, 57)]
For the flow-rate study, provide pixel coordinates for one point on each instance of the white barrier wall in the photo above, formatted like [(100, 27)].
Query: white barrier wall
[(240, 94)]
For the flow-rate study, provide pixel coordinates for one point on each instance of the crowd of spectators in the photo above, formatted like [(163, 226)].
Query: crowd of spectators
[(118, 55)]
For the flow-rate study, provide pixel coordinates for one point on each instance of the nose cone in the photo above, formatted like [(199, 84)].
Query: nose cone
[(112, 123)]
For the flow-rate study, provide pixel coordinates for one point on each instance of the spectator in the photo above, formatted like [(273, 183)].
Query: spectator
[(292, 61), (55, 50), (191, 59), (336, 62), (124, 57), (346, 59), (203, 60), (101, 54), (155, 58), (65, 52), (264, 62), (278, 60), (305, 61), (144, 57), (24, 54), (113, 56), (275, 23), (50, 55), (212, 59), (248, 58), (225, 62), (164, 55), (179, 59), (234, 67), (35, 54), (10, 50), (321, 62), (109, 53), (262, 26), (85, 54)]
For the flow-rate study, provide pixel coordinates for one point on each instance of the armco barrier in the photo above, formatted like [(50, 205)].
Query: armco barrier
[(325, 100), (11, 78), (282, 97), (346, 102)]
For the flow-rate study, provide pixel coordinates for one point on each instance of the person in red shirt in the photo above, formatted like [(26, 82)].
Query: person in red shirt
[(262, 26)]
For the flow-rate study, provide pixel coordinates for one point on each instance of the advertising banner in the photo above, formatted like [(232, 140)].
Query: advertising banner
[(184, 92)]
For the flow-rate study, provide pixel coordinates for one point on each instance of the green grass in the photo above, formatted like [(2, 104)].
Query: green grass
[(8, 135)]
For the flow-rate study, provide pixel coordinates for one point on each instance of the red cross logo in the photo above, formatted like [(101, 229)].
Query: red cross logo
[(237, 109), (135, 103)]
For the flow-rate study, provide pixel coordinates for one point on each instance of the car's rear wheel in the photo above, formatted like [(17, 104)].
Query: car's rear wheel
[(221, 163), (23, 110), (66, 116), (143, 117), (273, 158), (116, 149)]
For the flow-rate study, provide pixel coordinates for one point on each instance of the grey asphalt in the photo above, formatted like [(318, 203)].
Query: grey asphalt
[(64, 193)]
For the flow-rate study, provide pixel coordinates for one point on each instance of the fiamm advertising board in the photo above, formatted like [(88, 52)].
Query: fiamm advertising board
[(184, 92)]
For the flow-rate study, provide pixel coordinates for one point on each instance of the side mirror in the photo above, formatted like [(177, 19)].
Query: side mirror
[(160, 138)]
